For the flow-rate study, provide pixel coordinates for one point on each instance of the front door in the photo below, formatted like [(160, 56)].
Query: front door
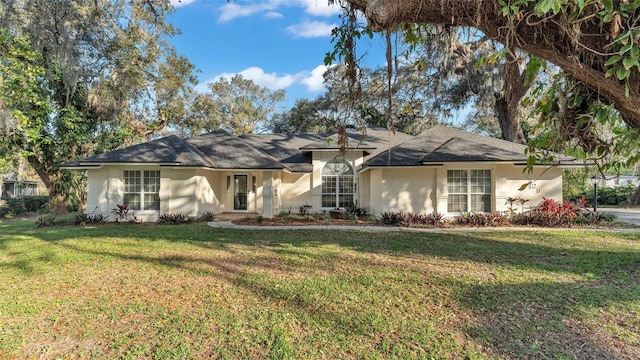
[(240, 191)]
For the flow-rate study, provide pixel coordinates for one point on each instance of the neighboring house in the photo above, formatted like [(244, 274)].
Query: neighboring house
[(442, 170), (20, 180), (13, 185), (620, 180)]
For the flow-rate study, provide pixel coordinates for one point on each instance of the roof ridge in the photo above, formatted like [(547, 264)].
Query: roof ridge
[(284, 166), (197, 151), (438, 147)]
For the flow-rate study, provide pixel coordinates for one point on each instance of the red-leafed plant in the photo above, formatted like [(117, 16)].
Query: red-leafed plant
[(551, 213), (121, 211)]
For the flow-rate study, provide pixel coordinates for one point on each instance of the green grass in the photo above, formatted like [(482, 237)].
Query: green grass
[(175, 292)]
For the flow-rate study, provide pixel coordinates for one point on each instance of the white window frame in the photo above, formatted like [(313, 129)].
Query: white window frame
[(470, 190), (149, 193), (339, 188)]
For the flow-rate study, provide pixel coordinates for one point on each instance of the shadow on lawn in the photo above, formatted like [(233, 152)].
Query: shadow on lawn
[(534, 319)]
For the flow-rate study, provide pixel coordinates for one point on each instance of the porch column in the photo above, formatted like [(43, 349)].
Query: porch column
[(267, 195), (441, 191)]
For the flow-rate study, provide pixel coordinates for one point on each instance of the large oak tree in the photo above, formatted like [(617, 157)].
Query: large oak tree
[(596, 42), (85, 76)]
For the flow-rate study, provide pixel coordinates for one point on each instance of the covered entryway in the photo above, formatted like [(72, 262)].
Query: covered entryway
[(240, 192)]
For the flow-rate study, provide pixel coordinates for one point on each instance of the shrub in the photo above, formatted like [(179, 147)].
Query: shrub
[(551, 213), (86, 219), (81, 219), (120, 211), (173, 219), (13, 207), (351, 216), (358, 211), (435, 219), (98, 219), (46, 220), (634, 199), (51, 219), (35, 203), (5, 212), (284, 213), (615, 195), (402, 219), (206, 216), (481, 219), (259, 219), (392, 218), (304, 210)]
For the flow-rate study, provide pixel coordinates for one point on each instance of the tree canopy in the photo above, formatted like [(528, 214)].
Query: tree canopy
[(594, 43), (85, 76)]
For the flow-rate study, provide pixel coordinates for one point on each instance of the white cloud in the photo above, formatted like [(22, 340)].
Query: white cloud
[(232, 10), (272, 81), (308, 29), (273, 15), (320, 8), (313, 80), (269, 80), (179, 3)]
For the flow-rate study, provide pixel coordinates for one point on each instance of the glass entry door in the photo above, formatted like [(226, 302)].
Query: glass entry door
[(240, 192)]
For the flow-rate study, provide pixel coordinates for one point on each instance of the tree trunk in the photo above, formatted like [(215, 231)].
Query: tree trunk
[(553, 39), (508, 120), (507, 104), (57, 199)]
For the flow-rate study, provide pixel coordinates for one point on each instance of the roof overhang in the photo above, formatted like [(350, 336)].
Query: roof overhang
[(559, 165), (304, 149), (368, 167), (87, 166)]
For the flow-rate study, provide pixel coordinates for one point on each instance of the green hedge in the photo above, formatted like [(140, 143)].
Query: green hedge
[(606, 195), (18, 206)]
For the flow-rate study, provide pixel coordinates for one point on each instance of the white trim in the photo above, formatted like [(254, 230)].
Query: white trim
[(233, 192)]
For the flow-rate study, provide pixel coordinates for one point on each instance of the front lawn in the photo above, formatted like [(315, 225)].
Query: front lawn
[(176, 292)]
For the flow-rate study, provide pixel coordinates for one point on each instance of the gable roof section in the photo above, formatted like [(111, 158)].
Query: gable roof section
[(228, 151), (222, 150), (167, 150), (216, 150), (285, 148), (372, 140), (442, 144)]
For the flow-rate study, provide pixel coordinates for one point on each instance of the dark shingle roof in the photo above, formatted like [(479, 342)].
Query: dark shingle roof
[(442, 144), (227, 151), (373, 139), (218, 150), (286, 148), (167, 150)]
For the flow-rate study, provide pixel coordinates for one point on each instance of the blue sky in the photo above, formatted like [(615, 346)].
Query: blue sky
[(279, 44)]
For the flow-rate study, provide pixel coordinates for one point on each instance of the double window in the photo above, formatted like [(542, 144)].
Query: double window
[(469, 190), (338, 187), (142, 189)]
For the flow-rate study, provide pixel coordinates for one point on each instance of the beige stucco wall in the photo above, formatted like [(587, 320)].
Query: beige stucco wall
[(184, 191), (401, 189), (98, 201), (543, 183), (418, 190), (296, 190), (424, 189)]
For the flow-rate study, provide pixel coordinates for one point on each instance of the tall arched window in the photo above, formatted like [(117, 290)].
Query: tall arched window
[(337, 184)]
